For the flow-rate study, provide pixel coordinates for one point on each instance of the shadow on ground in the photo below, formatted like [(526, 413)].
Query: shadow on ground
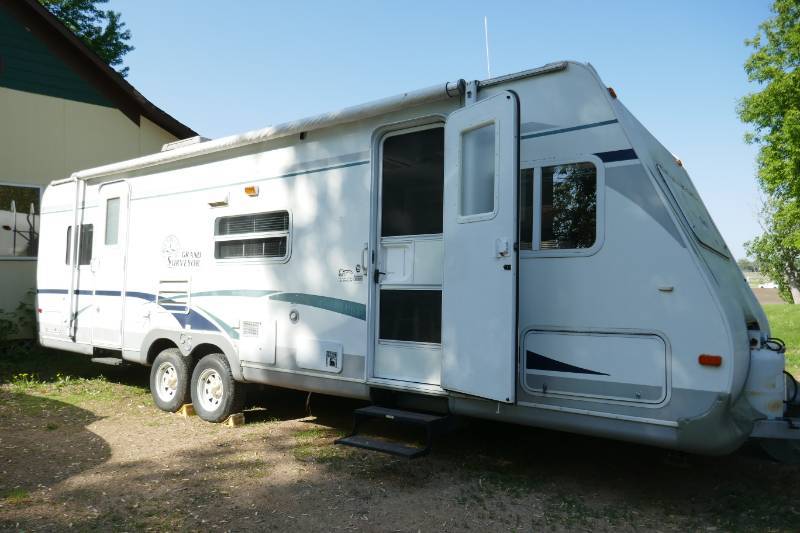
[(282, 471)]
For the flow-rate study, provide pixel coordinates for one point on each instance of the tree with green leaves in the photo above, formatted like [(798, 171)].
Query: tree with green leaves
[(102, 31), (774, 113)]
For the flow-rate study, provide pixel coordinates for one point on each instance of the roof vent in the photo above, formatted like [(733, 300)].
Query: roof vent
[(183, 142)]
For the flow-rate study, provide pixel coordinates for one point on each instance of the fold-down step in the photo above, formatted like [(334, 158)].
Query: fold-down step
[(433, 424)]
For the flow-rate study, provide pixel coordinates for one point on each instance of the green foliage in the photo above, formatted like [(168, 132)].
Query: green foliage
[(774, 113), (102, 31), (747, 265), (784, 323), (21, 320), (775, 253)]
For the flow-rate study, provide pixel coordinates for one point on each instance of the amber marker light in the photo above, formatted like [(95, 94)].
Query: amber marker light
[(710, 360), (251, 190), (612, 92)]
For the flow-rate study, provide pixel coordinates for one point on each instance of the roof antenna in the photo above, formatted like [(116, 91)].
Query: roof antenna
[(486, 38)]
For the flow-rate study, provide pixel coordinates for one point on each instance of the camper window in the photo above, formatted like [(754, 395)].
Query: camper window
[(19, 220), (413, 183), (252, 236), (112, 221), (87, 233), (411, 315), (477, 171), (569, 206), (558, 207)]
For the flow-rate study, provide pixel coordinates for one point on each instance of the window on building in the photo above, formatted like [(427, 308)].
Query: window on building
[(413, 183), (563, 200), (19, 220), (258, 235), (87, 235), (112, 221)]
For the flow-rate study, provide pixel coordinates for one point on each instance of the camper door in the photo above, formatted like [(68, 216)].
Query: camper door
[(109, 264), (479, 294)]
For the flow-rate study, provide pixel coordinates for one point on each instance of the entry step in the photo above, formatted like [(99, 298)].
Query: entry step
[(111, 361), (433, 424), (385, 446), (399, 415)]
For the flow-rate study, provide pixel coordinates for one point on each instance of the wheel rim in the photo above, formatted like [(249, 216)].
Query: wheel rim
[(210, 389), (166, 381)]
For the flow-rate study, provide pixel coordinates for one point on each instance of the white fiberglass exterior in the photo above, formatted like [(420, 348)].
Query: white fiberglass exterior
[(601, 339)]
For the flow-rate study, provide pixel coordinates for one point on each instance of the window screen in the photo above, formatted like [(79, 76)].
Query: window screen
[(112, 221), (409, 315), (569, 206), (257, 235), (413, 183), (19, 220), (87, 234), (477, 170)]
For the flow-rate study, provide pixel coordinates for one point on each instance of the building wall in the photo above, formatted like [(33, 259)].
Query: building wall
[(43, 138)]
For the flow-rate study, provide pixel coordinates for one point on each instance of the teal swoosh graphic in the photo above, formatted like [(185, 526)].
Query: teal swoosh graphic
[(248, 293), (344, 307)]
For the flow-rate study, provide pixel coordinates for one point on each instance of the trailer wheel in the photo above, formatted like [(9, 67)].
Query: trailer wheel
[(215, 394), (169, 380)]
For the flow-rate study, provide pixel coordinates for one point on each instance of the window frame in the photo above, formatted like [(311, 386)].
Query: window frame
[(253, 235), (488, 215), (106, 219), (25, 186), (69, 250), (600, 216), (438, 123)]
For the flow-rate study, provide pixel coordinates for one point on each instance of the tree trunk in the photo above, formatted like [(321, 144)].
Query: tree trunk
[(795, 295)]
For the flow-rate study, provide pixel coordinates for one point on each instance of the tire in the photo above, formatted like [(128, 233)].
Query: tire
[(215, 394), (169, 380)]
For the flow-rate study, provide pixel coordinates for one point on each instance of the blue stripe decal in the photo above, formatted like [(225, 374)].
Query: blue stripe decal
[(535, 361), (565, 130), (617, 155), (195, 321), (336, 305)]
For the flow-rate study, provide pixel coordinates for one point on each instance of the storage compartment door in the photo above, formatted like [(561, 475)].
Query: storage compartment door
[(480, 263)]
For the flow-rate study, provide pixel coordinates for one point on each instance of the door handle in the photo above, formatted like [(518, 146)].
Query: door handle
[(364, 257), (378, 275), (501, 247)]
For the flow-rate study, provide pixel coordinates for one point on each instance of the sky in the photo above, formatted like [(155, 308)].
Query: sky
[(228, 67)]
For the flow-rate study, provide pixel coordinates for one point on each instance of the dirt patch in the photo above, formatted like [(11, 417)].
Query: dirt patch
[(93, 453), (768, 296)]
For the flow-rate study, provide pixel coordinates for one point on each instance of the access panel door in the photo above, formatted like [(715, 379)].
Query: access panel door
[(480, 261), (111, 244)]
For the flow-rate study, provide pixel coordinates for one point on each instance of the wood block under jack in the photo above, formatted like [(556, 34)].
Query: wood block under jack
[(235, 420), (187, 410)]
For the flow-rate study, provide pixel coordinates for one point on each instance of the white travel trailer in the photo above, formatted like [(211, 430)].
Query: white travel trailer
[(518, 249)]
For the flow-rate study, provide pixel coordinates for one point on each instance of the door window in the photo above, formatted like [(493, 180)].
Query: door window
[(477, 171), (112, 221), (413, 183)]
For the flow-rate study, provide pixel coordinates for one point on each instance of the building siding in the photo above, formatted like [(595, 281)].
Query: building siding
[(27, 65)]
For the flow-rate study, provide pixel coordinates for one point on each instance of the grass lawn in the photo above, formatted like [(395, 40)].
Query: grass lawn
[(784, 320)]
